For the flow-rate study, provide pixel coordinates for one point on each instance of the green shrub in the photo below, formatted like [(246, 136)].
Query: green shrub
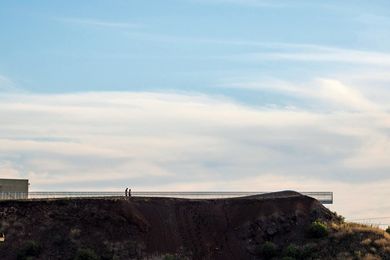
[(292, 251), (308, 250), (388, 229), (29, 249), (268, 250), (340, 218), (170, 257), (86, 254), (318, 229)]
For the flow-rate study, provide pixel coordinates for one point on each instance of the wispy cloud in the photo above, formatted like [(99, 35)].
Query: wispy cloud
[(7, 84), (253, 3), (328, 91), (298, 52), (256, 3), (374, 19), (98, 23), (314, 53)]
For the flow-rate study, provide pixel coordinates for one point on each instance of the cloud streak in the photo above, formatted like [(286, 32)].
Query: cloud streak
[(296, 52), (318, 53), (6, 84), (253, 3), (98, 23)]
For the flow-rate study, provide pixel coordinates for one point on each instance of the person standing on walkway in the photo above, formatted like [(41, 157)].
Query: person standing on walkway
[(126, 192)]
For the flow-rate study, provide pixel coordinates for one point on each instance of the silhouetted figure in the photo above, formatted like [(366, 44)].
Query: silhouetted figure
[(126, 192), (129, 192)]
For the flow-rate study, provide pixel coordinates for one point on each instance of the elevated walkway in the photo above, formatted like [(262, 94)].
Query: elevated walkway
[(323, 197)]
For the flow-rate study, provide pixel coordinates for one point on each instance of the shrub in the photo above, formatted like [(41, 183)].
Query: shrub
[(170, 257), (292, 251), (29, 249), (366, 242), (318, 229), (74, 233), (388, 229), (308, 250), (86, 254), (358, 254), (340, 218), (268, 250)]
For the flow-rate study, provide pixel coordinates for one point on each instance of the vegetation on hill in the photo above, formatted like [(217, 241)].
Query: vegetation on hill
[(341, 241)]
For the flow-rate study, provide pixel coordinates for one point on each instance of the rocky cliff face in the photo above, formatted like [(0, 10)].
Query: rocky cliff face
[(156, 228)]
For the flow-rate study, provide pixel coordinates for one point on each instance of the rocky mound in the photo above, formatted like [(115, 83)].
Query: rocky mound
[(156, 228)]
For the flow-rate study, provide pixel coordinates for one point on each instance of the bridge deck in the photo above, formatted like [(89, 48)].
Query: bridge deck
[(323, 197)]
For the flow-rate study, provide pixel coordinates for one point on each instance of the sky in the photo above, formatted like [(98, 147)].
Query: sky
[(199, 95)]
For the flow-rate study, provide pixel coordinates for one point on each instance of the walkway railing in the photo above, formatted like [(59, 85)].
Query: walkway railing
[(323, 197), (381, 222)]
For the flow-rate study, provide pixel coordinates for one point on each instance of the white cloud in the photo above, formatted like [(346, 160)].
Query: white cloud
[(373, 155), (8, 171), (328, 91), (177, 141)]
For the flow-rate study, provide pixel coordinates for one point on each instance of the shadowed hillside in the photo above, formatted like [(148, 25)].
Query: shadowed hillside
[(276, 225)]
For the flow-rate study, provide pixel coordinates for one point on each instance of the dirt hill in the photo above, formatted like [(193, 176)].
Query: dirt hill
[(257, 227)]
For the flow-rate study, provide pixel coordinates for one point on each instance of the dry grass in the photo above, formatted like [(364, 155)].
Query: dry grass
[(74, 232), (364, 228), (371, 257), (344, 256), (366, 242), (382, 242), (360, 228)]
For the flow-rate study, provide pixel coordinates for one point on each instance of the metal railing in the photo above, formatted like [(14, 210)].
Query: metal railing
[(381, 222), (323, 197)]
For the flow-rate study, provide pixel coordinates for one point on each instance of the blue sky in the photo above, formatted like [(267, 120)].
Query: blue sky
[(198, 95), (176, 45)]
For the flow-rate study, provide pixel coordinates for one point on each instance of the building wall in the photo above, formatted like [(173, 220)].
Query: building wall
[(13, 189)]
